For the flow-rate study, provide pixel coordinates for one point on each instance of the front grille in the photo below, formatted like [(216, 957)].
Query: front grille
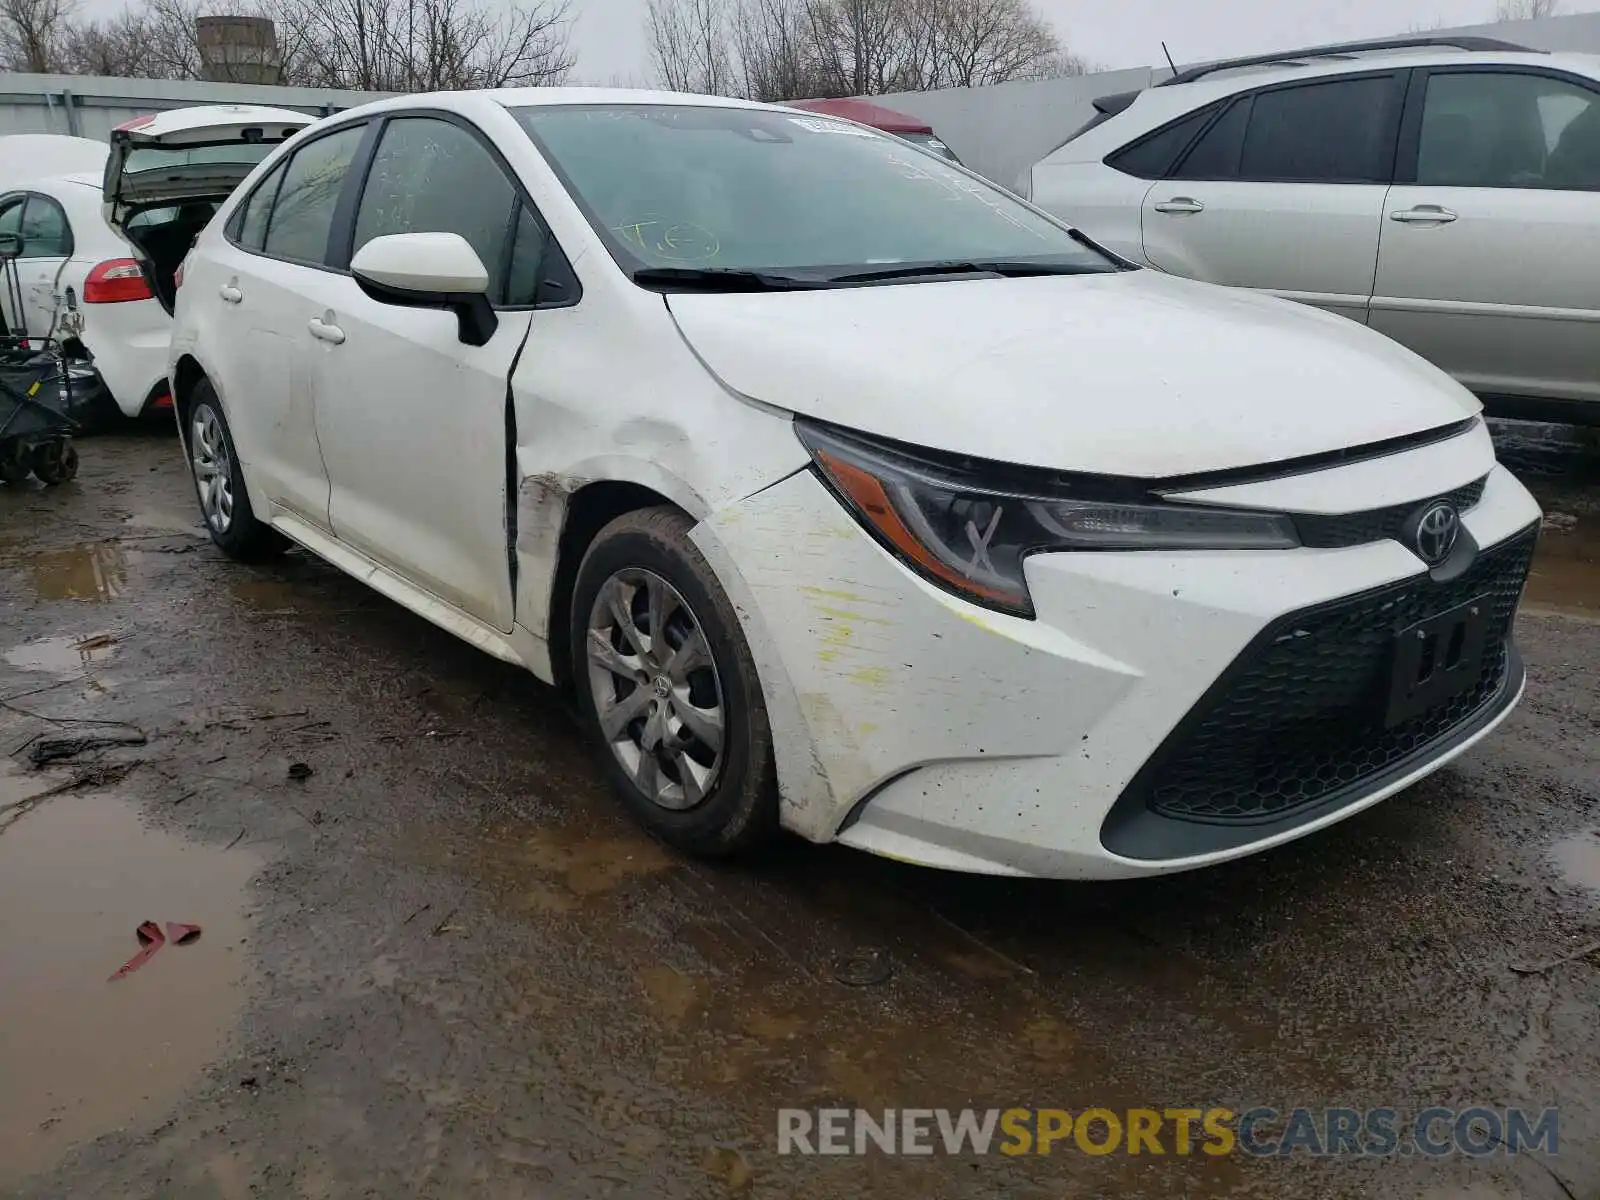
[(1300, 715), (1376, 524)]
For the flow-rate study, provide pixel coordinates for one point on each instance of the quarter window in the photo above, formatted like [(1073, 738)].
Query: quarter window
[(302, 216), (433, 176), (1505, 130), (44, 229), (1152, 156), (250, 226), (1335, 132)]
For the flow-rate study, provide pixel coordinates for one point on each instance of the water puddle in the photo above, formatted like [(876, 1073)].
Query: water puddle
[(95, 571), (268, 595), (80, 1056), (165, 522), (1566, 571), (63, 656), (1578, 858)]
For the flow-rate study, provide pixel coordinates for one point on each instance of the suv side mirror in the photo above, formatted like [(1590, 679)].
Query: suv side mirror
[(429, 270)]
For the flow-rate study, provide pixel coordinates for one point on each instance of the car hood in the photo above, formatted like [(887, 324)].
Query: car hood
[(1129, 373)]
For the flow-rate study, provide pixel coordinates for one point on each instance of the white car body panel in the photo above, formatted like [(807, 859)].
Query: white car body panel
[(907, 721), (852, 356)]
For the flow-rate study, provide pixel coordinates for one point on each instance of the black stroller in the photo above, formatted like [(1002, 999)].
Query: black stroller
[(37, 404)]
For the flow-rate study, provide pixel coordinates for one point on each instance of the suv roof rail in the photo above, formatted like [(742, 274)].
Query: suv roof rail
[(1285, 57)]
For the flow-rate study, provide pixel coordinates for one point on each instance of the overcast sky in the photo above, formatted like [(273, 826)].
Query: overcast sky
[(609, 37)]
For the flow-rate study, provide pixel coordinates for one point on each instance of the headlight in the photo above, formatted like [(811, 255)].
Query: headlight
[(967, 526)]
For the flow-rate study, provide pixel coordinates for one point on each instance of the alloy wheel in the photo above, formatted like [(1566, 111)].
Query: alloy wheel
[(213, 468), (656, 689)]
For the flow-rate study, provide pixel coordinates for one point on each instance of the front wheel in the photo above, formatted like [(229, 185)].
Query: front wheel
[(219, 484), (669, 690)]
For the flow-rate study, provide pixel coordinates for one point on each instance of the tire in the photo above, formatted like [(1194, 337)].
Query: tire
[(715, 801), (219, 483), (13, 464), (54, 462)]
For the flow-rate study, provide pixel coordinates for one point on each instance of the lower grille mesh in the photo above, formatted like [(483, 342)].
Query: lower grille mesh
[(1300, 715)]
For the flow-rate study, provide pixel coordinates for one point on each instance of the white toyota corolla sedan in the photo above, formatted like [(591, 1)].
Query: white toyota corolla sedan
[(852, 495)]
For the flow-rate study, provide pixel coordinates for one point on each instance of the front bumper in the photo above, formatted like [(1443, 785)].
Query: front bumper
[(914, 725)]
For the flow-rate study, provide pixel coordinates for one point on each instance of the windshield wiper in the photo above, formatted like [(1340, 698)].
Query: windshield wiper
[(722, 279), (1004, 267)]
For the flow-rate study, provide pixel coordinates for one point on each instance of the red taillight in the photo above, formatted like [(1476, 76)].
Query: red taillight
[(163, 401), (138, 122), (114, 281)]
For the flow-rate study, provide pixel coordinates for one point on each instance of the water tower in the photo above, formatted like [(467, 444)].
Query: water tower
[(238, 50)]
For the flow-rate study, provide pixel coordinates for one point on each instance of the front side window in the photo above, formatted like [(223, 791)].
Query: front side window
[(1335, 132), (433, 176), (302, 216), (44, 229), (739, 189), (11, 217), (1505, 130)]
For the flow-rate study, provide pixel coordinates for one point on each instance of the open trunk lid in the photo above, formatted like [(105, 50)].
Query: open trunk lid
[(190, 153)]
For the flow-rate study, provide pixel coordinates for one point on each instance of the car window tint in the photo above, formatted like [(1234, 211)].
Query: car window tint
[(1497, 129), (527, 259), (302, 217), (44, 229), (1328, 132), (250, 228), (1152, 157), (1216, 154), (432, 176)]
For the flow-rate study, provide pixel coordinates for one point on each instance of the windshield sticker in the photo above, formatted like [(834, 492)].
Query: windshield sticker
[(816, 126)]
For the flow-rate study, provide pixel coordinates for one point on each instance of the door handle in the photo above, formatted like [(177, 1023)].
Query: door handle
[(325, 330), (1180, 204), (1423, 214), (230, 293)]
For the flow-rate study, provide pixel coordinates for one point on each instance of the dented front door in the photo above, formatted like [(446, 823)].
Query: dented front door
[(412, 424)]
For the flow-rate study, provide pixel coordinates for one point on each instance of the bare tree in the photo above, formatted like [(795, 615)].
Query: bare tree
[(791, 49), (33, 34), (1526, 10), (690, 44), (376, 45)]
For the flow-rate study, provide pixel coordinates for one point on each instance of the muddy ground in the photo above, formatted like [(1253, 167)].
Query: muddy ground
[(443, 965)]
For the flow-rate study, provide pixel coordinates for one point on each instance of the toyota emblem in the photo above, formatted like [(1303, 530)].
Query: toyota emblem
[(1436, 532)]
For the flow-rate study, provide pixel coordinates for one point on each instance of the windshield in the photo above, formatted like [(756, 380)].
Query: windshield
[(740, 189)]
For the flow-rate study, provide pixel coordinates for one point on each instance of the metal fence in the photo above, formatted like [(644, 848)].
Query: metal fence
[(91, 106)]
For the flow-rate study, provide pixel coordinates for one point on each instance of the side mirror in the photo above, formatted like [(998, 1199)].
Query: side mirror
[(429, 270)]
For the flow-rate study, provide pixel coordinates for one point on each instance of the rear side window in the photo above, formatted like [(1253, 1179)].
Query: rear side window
[(1152, 156), (433, 176), (45, 233), (302, 216), (1335, 132), (1216, 154), (250, 223)]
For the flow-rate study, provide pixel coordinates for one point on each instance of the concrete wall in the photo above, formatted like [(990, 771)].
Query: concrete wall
[(90, 106), (1000, 131)]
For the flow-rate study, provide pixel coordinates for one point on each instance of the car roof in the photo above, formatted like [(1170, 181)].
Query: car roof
[(547, 97), (866, 113), (1226, 80)]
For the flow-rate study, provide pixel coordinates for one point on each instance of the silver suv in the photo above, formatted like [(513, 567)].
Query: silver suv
[(1445, 191)]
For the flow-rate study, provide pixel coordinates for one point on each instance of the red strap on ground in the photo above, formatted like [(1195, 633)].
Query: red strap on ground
[(151, 939), (182, 935)]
